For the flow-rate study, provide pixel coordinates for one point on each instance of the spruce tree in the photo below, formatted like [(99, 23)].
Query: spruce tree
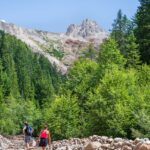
[(121, 28), (132, 52), (110, 54), (143, 29)]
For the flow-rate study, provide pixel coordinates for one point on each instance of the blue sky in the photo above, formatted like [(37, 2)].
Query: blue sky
[(56, 15)]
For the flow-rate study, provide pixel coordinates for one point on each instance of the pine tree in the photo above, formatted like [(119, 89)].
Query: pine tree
[(121, 28), (1, 82), (110, 54), (132, 52), (143, 29), (10, 76)]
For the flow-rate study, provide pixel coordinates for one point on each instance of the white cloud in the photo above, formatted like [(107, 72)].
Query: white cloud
[(2, 20)]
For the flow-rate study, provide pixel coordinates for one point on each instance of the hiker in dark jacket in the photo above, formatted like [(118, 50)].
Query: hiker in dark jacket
[(27, 131)]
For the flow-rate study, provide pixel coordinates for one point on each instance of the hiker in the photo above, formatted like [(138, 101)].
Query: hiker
[(44, 138), (27, 131)]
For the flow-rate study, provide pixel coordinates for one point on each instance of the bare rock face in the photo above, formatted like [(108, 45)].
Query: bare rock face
[(77, 38), (87, 29)]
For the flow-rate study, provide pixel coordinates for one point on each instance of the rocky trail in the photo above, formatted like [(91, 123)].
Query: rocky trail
[(91, 143)]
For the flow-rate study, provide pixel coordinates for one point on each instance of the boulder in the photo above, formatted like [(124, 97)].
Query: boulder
[(92, 146), (105, 146), (138, 146), (144, 147), (126, 148)]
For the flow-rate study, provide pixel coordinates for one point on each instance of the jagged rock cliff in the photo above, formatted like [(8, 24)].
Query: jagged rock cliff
[(61, 49), (88, 29)]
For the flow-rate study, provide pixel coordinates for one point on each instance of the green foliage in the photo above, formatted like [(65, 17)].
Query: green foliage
[(28, 82), (110, 104), (110, 54), (122, 32), (14, 112), (142, 113), (63, 117), (142, 129), (121, 29), (89, 52), (109, 94), (80, 78), (57, 53), (115, 102), (132, 52)]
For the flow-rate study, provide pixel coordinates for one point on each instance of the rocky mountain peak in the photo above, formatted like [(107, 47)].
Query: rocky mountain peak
[(88, 28), (67, 45)]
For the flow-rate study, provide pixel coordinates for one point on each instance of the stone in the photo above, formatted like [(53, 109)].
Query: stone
[(92, 146), (138, 146), (144, 147), (105, 146), (126, 148), (91, 143)]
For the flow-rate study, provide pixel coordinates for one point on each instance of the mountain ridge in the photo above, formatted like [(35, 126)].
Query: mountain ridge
[(66, 45)]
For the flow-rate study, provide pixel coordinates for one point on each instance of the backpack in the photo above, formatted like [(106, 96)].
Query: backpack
[(28, 130)]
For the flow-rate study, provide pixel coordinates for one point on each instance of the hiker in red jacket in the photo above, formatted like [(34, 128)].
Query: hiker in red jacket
[(45, 138)]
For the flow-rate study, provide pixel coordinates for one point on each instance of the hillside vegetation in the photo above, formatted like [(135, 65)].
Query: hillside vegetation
[(105, 92)]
